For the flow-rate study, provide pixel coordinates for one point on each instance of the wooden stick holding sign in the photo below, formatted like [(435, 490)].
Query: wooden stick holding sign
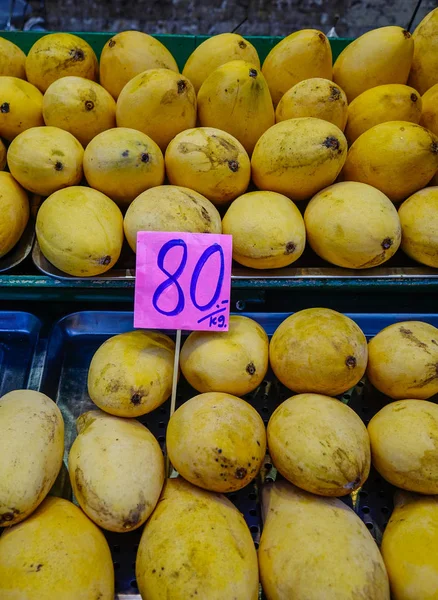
[(183, 281)]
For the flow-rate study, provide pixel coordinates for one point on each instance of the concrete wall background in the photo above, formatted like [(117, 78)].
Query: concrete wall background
[(264, 17)]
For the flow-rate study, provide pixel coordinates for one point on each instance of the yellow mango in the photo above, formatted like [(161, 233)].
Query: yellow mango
[(158, 102), (56, 554), (80, 231), (267, 228), (20, 107), (80, 106), (429, 115), (215, 52), (301, 55), (403, 359), (299, 157), (31, 450), (315, 97), (58, 55), (233, 361), (116, 470), (12, 59), (313, 548), (45, 159), (419, 222), (170, 208), (131, 373), (390, 102), (235, 97), (319, 444), (407, 547), (404, 443), (128, 54), (209, 161), (214, 558), (14, 211), (318, 350), (378, 57), (397, 157), (353, 225), (424, 70)]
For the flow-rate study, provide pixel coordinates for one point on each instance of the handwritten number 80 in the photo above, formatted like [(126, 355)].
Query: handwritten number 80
[(173, 277)]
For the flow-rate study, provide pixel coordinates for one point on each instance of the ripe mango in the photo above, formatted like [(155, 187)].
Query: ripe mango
[(318, 350), (397, 157), (233, 361), (424, 70), (299, 157), (267, 228), (301, 55), (12, 59), (404, 438), (429, 115), (319, 444), (209, 161), (215, 52), (313, 548), (116, 470), (403, 360), (353, 225), (14, 211), (214, 558), (31, 450), (390, 102), (21, 107), (380, 56), (419, 222), (235, 98), (128, 54)]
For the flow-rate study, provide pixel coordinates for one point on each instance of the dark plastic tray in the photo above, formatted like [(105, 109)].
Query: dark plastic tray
[(21, 250), (72, 344)]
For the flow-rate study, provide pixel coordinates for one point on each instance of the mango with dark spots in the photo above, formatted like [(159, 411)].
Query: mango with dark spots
[(21, 107), (12, 60)]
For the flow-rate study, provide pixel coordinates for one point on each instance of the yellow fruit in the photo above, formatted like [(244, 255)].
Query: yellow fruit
[(131, 373), (31, 449), (378, 57), (80, 231), (404, 438), (45, 159), (318, 350), (235, 97), (403, 360), (215, 52), (390, 102), (122, 163), (58, 55), (3, 154), (20, 107), (215, 557), (216, 441), (233, 361), (319, 444), (424, 71), (128, 54), (116, 470), (419, 221), (398, 158), (12, 59), (299, 157), (313, 548), (410, 535), (209, 161), (14, 212), (353, 225), (170, 208), (80, 106), (429, 116), (302, 55), (315, 97), (56, 554), (160, 103), (267, 228)]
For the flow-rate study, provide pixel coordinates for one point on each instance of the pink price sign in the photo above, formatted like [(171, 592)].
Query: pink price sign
[(183, 281)]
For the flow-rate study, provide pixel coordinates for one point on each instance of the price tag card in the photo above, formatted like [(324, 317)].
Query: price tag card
[(183, 281)]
